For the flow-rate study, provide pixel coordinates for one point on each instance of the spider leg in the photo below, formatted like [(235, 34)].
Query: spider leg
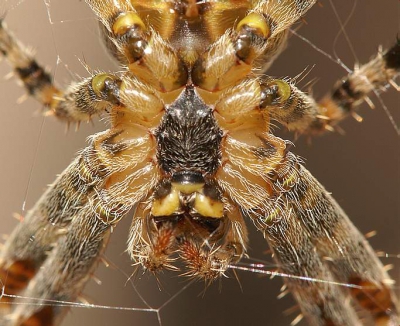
[(77, 103), (34, 237), (35, 79), (349, 256), (351, 91), (64, 273), (311, 237), (256, 40), (321, 300), (284, 102), (341, 253), (147, 55), (89, 197), (299, 112)]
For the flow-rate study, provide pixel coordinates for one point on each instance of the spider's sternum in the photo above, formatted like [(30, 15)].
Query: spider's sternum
[(188, 137)]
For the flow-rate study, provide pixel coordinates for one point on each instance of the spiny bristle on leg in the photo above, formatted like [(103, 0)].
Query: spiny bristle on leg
[(156, 256), (201, 263)]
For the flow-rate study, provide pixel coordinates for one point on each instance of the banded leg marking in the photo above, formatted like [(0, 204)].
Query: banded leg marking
[(147, 55), (322, 303), (299, 112), (343, 253), (64, 272), (77, 103)]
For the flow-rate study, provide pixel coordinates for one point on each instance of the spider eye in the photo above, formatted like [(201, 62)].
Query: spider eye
[(274, 92)]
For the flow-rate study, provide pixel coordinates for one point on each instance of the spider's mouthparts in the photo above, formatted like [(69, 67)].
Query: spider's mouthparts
[(188, 219), (197, 241)]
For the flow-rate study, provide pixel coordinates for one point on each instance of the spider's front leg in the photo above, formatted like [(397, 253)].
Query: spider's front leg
[(252, 46), (137, 45)]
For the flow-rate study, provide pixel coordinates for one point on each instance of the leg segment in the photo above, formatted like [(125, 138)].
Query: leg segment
[(81, 100), (147, 55), (340, 254), (78, 103), (99, 187), (35, 237), (257, 39), (64, 273), (299, 112), (350, 92), (347, 253), (37, 82), (293, 248), (322, 303), (282, 101)]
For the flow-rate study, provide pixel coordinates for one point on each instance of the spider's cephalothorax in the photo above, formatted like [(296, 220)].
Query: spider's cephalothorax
[(190, 148)]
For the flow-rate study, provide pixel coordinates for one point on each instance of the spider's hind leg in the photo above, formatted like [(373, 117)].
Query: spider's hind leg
[(64, 234), (335, 271), (64, 273), (36, 235)]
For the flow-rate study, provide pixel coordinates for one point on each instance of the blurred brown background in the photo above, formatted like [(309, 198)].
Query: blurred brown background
[(361, 169)]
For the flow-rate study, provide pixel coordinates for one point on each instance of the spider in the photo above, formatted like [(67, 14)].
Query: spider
[(185, 250)]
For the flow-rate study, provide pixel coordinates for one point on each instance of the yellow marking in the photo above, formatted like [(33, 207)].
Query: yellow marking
[(207, 207), (290, 180), (274, 215), (166, 206), (126, 21), (84, 172), (188, 188), (98, 83), (257, 22), (283, 89)]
